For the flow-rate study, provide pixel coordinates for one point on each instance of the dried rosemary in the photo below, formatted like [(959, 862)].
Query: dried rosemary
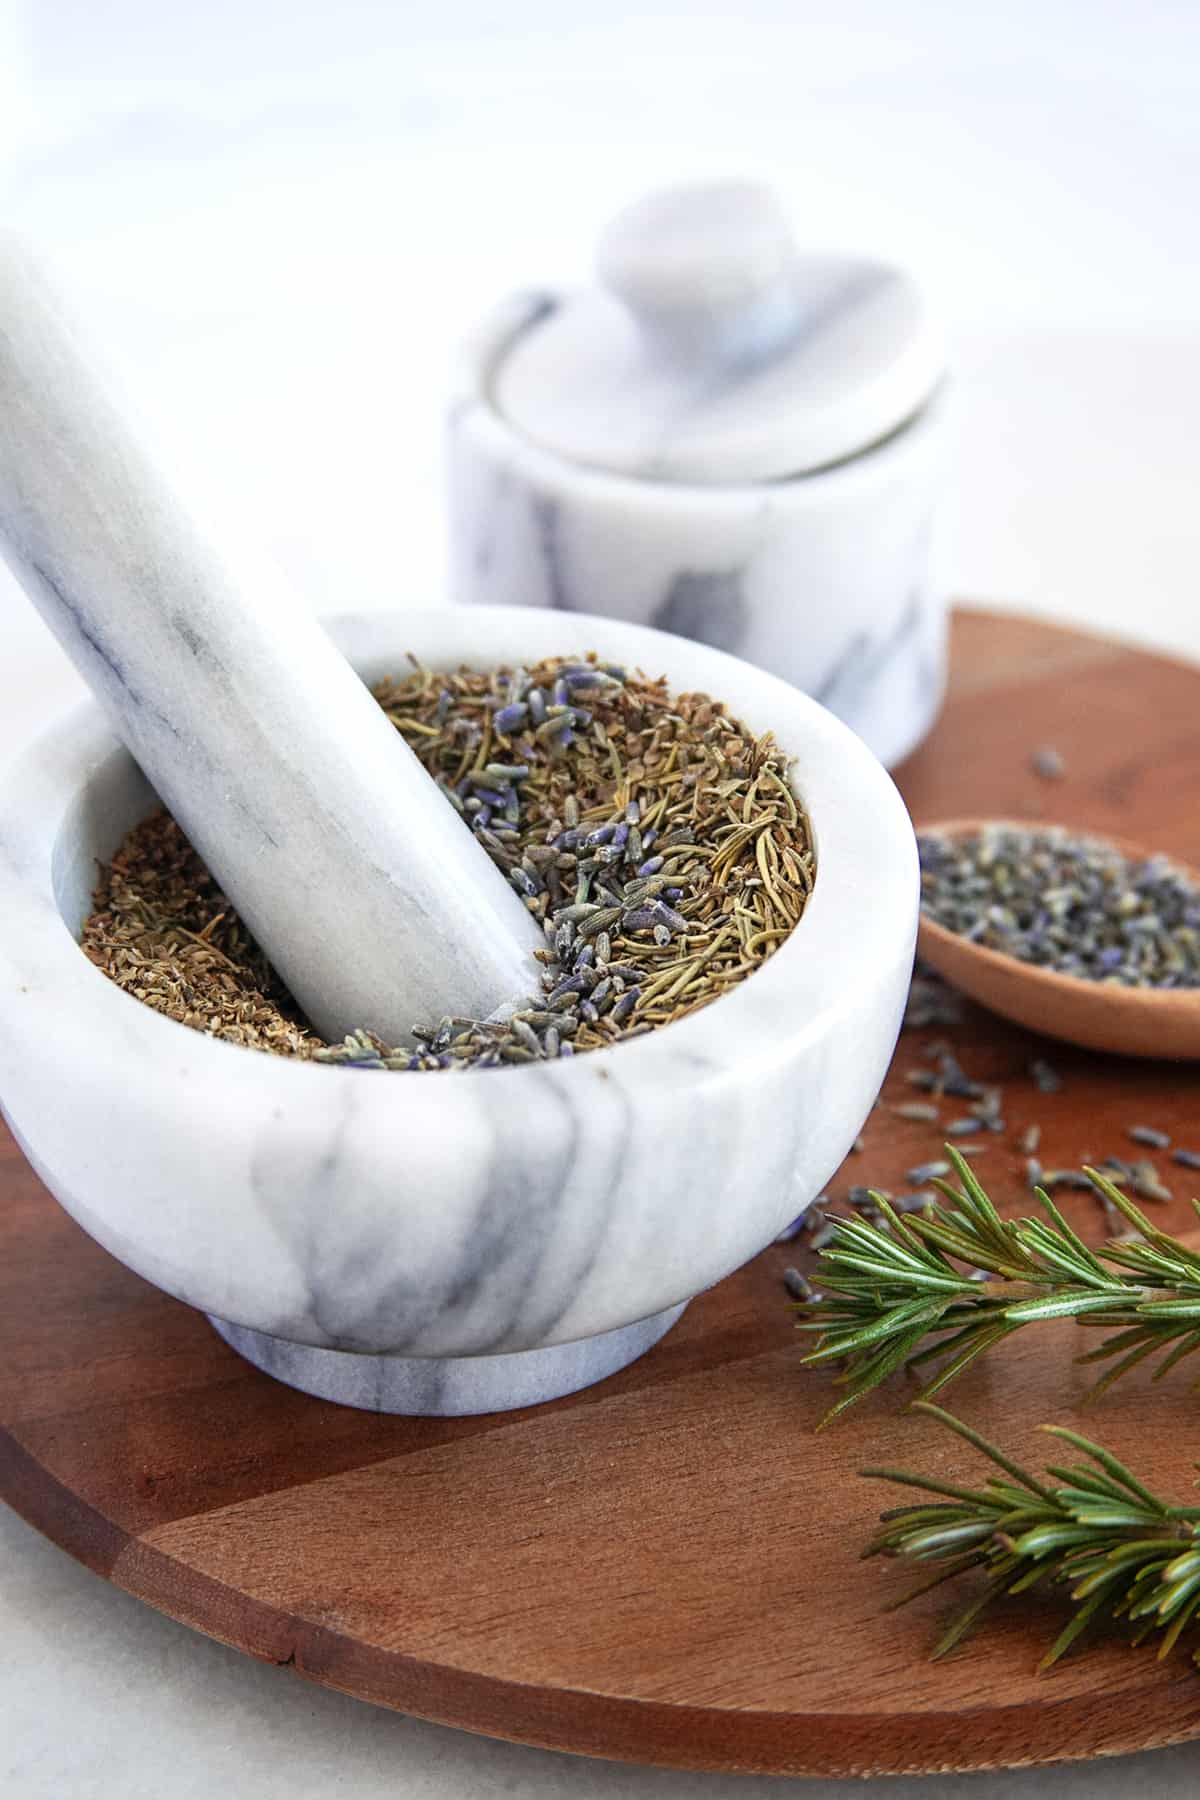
[(657, 841)]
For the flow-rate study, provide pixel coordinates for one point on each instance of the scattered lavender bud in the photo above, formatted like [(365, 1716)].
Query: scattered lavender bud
[(908, 1203), (1029, 1139), (988, 1105), (962, 1127), (1147, 1184), (918, 1112), (795, 1228), (798, 1286), (926, 1172), (1046, 1079), (1146, 1134), (1048, 763), (1187, 1159)]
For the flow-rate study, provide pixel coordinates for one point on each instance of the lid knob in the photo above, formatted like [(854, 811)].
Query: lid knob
[(705, 269), (713, 350)]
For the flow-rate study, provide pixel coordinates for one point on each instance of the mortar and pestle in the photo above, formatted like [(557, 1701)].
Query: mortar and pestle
[(412, 1243)]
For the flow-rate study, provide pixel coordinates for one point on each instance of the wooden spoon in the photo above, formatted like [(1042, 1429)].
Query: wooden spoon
[(1129, 1021)]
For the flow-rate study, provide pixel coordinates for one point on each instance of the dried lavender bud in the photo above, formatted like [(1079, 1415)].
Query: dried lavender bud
[(1048, 763), (931, 1002), (1147, 1184), (988, 1105), (798, 1286), (907, 1203), (798, 1224), (917, 1111), (1029, 1139), (1187, 1159), (926, 1172), (1047, 1080), (1146, 1134)]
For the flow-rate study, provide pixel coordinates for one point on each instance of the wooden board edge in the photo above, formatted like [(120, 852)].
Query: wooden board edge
[(584, 1723)]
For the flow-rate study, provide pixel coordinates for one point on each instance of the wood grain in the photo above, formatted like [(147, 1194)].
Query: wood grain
[(663, 1569)]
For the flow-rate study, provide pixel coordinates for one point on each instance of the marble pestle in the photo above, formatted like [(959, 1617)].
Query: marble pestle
[(347, 864)]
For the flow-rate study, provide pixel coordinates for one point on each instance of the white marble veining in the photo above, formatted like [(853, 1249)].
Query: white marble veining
[(716, 352), (315, 816), (476, 1213), (737, 443), (830, 581)]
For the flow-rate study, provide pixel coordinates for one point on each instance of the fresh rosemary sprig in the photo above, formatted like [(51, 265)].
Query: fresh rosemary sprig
[(1118, 1550), (903, 1293)]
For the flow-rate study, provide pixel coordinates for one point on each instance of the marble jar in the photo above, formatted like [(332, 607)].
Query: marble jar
[(728, 440), (479, 1240)]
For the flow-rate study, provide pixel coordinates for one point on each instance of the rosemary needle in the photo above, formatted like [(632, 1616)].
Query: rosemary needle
[(1090, 1531), (906, 1292)]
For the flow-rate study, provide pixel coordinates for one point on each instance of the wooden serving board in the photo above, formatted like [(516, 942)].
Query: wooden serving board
[(665, 1568)]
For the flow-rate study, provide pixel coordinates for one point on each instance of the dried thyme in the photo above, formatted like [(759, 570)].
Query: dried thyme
[(657, 841)]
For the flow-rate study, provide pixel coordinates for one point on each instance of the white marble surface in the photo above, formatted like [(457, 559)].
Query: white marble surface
[(1038, 166)]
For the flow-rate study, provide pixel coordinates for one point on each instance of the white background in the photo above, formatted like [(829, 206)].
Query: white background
[(278, 218)]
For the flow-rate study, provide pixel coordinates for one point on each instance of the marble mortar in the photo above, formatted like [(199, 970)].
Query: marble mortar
[(474, 1241)]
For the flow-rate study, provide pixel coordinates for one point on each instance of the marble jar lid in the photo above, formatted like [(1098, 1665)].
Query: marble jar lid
[(715, 351)]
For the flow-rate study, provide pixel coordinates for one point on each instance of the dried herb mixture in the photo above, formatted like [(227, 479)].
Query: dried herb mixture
[(657, 841)]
